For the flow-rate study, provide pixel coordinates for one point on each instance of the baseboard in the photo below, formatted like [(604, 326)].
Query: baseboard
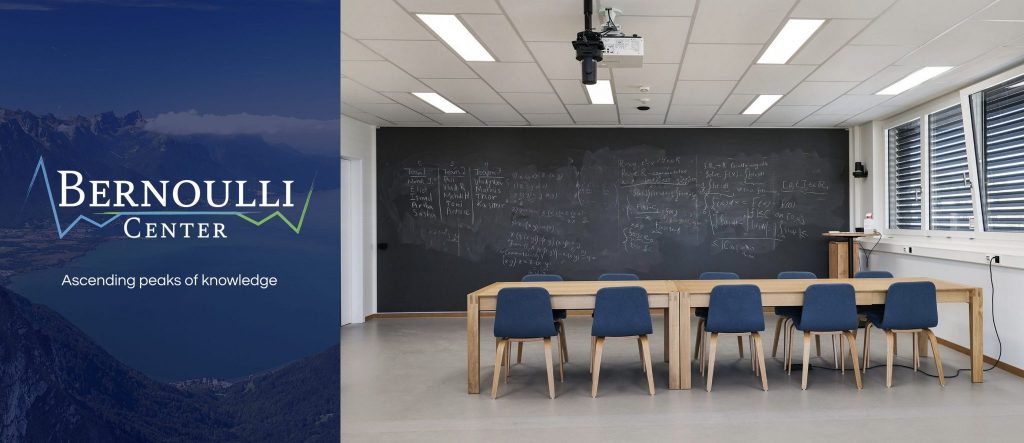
[(988, 360)]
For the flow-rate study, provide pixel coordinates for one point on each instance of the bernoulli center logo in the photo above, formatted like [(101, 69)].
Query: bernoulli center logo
[(134, 201)]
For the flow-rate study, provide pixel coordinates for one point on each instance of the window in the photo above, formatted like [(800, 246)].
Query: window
[(904, 144), (950, 207), (998, 113)]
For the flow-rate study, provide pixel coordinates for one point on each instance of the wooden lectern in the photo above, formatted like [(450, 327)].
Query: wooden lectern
[(844, 260)]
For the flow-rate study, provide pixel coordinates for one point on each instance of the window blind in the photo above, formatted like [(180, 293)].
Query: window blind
[(905, 176), (1001, 162), (950, 187)]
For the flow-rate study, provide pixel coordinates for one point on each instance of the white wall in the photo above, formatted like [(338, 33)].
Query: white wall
[(359, 142), (869, 196)]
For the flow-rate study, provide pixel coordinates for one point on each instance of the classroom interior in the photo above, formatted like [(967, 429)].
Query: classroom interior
[(720, 220)]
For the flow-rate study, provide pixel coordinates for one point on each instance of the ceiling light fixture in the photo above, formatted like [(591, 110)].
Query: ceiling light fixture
[(601, 93), (761, 104), (915, 78), (453, 32), (441, 103), (793, 35)]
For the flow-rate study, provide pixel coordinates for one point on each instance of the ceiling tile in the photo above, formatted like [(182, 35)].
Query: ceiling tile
[(557, 59), (549, 119), (664, 37), (352, 92), (351, 49), (815, 93), (393, 112), (456, 119), (368, 118), (717, 62), (628, 102), (733, 120), (593, 113), (822, 120), (857, 63), (462, 91), (412, 102), (512, 77), (772, 79), (738, 21), (1003, 10), (545, 20), (661, 78), (853, 104), (736, 103), (451, 6), (535, 102), (914, 22), (571, 92), (649, 7), (493, 112), (381, 76), (422, 59), (840, 8), (495, 32), (786, 114), (643, 119), (689, 92), (827, 41), (964, 42), (690, 114), (362, 19)]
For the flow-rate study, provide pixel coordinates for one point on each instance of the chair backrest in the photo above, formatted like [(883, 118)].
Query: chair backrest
[(829, 307), (719, 276), (910, 305), (524, 313), (542, 277), (872, 274), (618, 277), (621, 312), (735, 308), (796, 274)]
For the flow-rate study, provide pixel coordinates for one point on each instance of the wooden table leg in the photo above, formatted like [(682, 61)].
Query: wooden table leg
[(977, 336), (672, 323), (683, 337), (665, 314), (473, 343)]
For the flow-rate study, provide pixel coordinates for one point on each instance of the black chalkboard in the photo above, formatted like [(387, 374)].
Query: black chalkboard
[(460, 208)]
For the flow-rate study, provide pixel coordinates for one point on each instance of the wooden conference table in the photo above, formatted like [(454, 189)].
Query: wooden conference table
[(678, 297)]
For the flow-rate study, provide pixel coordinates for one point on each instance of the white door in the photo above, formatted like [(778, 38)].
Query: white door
[(351, 228)]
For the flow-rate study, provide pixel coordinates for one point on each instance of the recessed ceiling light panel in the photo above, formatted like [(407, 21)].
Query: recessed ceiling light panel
[(793, 35), (601, 93), (453, 32), (761, 104), (915, 78), (441, 103)]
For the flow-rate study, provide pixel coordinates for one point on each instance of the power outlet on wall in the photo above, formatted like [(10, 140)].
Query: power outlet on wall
[(992, 259)]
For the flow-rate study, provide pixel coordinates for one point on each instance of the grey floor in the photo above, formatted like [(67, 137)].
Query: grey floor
[(404, 380)]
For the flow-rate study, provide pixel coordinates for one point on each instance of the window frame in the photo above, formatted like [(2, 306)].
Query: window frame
[(888, 165)]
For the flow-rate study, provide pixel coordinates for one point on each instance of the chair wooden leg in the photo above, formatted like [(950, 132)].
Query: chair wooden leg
[(700, 338), (561, 369), (895, 344), (519, 353), (645, 355), (935, 351), (547, 363), (759, 350), (753, 358), (817, 343), (596, 375), (890, 351), (711, 359), (778, 331), (835, 353), (508, 361), (916, 355), (852, 339), (867, 348), (640, 350), (593, 347), (562, 342), (499, 358), (789, 349), (807, 359), (739, 343)]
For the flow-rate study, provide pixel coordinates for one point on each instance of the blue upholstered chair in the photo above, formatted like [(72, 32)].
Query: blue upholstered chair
[(621, 312), (864, 310), (872, 274), (827, 309), (559, 315), (523, 314), (618, 277), (787, 312), (910, 307), (736, 309), (699, 351)]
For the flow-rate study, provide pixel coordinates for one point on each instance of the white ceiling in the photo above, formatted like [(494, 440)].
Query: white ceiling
[(699, 60)]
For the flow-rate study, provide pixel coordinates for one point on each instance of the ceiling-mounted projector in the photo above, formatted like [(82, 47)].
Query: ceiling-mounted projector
[(611, 47)]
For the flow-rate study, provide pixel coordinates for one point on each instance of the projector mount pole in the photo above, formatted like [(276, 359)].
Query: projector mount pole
[(588, 45)]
